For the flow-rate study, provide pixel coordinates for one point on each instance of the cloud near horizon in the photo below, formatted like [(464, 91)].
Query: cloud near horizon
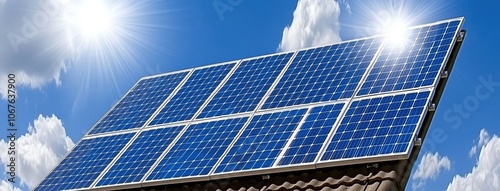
[(429, 168), (39, 150), (485, 175), (314, 23)]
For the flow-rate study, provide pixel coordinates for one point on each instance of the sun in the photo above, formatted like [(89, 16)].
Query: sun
[(94, 18), (395, 32)]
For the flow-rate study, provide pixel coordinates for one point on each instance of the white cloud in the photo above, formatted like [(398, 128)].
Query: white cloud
[(314, 23), (486, 174), (35, 44), (7, 186), (39, 150), (429, 168), (484, 137)]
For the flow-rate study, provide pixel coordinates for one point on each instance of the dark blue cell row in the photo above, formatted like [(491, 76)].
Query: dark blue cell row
[(378, 126)]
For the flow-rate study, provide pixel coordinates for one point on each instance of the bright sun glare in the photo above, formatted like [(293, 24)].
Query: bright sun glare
[(395, 32), (93, 18)]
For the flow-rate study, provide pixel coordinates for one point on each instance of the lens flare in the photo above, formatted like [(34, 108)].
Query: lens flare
[(93, 18), (107, 39), (396, 32)]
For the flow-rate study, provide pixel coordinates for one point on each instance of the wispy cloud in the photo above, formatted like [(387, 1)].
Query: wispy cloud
[(485, 175), (429, 168), (314, 23), (484, 138), (39, 150), (34, 42)]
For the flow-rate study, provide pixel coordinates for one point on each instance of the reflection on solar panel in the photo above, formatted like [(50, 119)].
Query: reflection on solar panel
[(352, 102), (415, 64), (192, 94), (139, 104), (262, 141), (198, 149), (247, 86), (312, 134), (140, 156), (324, 73)]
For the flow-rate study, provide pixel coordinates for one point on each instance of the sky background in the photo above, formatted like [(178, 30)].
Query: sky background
[(67, 79)]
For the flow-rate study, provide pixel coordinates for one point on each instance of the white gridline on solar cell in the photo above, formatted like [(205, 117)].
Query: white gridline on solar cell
[(84, 166), (151, 92), (358, 123), (415, 50), (302, 60), (194, 148), (322, 117), (152, 142), (256, 136), (190, 97), (245, 85)]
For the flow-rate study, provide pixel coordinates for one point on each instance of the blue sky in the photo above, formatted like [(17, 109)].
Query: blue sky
[(65, 86)]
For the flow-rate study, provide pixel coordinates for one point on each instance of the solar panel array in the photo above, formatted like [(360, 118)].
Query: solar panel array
[(351, 102)]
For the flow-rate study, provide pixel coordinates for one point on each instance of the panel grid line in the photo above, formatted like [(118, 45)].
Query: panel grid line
[(253, 113), (191, 121), (190, 72), (135, 109), (191, 97), (261, 141), (348, 104), (292, 137), (144, 144), (80, 168), (247, 86)]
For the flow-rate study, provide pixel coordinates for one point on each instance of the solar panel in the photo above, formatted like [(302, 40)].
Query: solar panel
[(377, 126), (351, 102), (140, 156), (198, 149), (306, 145), (193, 94), (139, 104), (262, 141), (247, 86), (416, 63), (85, 162), (324, 74)]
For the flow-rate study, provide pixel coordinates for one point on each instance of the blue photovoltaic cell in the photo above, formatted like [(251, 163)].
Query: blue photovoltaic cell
[(139, 104), (312, 135), (193, 94), (198, 149), (246, 87), (85, 163), (377, 126), (261, 142), (414, 63), (140, 156), (324, 74)]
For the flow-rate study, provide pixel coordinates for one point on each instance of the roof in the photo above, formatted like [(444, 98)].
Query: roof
[(351, 178)]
